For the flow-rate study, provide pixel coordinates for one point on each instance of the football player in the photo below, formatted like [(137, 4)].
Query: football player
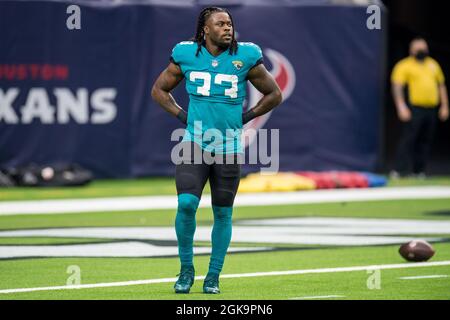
[(216, 68)]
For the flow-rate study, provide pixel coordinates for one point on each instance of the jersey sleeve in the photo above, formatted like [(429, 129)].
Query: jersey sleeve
[(399, 74), (181, 54), (256, 55), (176, 55)]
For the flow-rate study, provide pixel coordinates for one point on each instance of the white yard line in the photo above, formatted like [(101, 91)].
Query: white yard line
[(435, 276), (239, 275), (317, 297), (242, 199)]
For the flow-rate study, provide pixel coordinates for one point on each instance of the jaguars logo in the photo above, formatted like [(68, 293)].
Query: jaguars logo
[(238, 64)]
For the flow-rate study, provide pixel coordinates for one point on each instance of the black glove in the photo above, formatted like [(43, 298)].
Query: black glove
[(182, 116), (248, 116)]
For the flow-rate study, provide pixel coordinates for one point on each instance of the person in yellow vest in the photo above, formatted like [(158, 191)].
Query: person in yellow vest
[(427, 101)]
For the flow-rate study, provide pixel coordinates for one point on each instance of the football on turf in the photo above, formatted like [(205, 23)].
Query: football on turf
[(416, 250)]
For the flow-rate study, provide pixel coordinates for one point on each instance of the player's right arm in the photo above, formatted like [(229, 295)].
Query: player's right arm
[(166, 82)]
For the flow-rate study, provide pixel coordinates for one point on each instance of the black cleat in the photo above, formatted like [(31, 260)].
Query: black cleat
[(211, 284), (185, 280)]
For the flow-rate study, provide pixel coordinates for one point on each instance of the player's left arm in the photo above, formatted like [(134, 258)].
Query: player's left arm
[(263, 81)]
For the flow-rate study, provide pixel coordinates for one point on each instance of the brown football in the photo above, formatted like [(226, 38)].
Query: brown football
[(416, 250)]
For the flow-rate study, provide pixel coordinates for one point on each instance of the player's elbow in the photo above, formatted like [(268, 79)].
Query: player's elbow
[(155, 92), (278, 96)]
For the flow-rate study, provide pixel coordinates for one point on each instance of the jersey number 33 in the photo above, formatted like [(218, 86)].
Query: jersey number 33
[(219, 78)]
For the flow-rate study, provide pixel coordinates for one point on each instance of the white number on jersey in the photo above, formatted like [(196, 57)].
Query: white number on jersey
[(231, 92), (206, 77), (204, 89)]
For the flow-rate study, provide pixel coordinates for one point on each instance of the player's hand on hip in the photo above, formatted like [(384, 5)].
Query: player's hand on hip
[(182, 116), (443, 112)]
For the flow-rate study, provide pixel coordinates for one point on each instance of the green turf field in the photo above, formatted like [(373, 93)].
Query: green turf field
[(433, 281)]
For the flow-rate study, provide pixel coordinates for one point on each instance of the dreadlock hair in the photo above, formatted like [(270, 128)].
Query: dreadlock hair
[(200, 33)]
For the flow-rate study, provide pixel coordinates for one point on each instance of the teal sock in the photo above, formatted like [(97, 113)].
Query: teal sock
[(220, 237), (185, 227)]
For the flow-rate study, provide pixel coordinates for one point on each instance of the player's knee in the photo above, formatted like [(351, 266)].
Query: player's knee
[(222, 214), (188, 203)]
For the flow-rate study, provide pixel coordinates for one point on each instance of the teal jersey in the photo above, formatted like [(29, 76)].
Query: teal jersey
[(217, 87)]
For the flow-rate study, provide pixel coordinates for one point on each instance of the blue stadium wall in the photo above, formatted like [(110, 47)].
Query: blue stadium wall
[(84, 95)]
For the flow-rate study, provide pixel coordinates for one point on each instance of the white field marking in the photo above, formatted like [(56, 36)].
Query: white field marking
[(317, 297), (434, 276), (239, 275), (299, 230), (114, 249), (242, 199)]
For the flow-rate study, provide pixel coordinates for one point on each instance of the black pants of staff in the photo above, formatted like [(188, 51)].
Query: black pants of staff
[(416, 140)]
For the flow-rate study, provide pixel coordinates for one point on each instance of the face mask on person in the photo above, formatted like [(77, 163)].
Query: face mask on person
[(421, 55)]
